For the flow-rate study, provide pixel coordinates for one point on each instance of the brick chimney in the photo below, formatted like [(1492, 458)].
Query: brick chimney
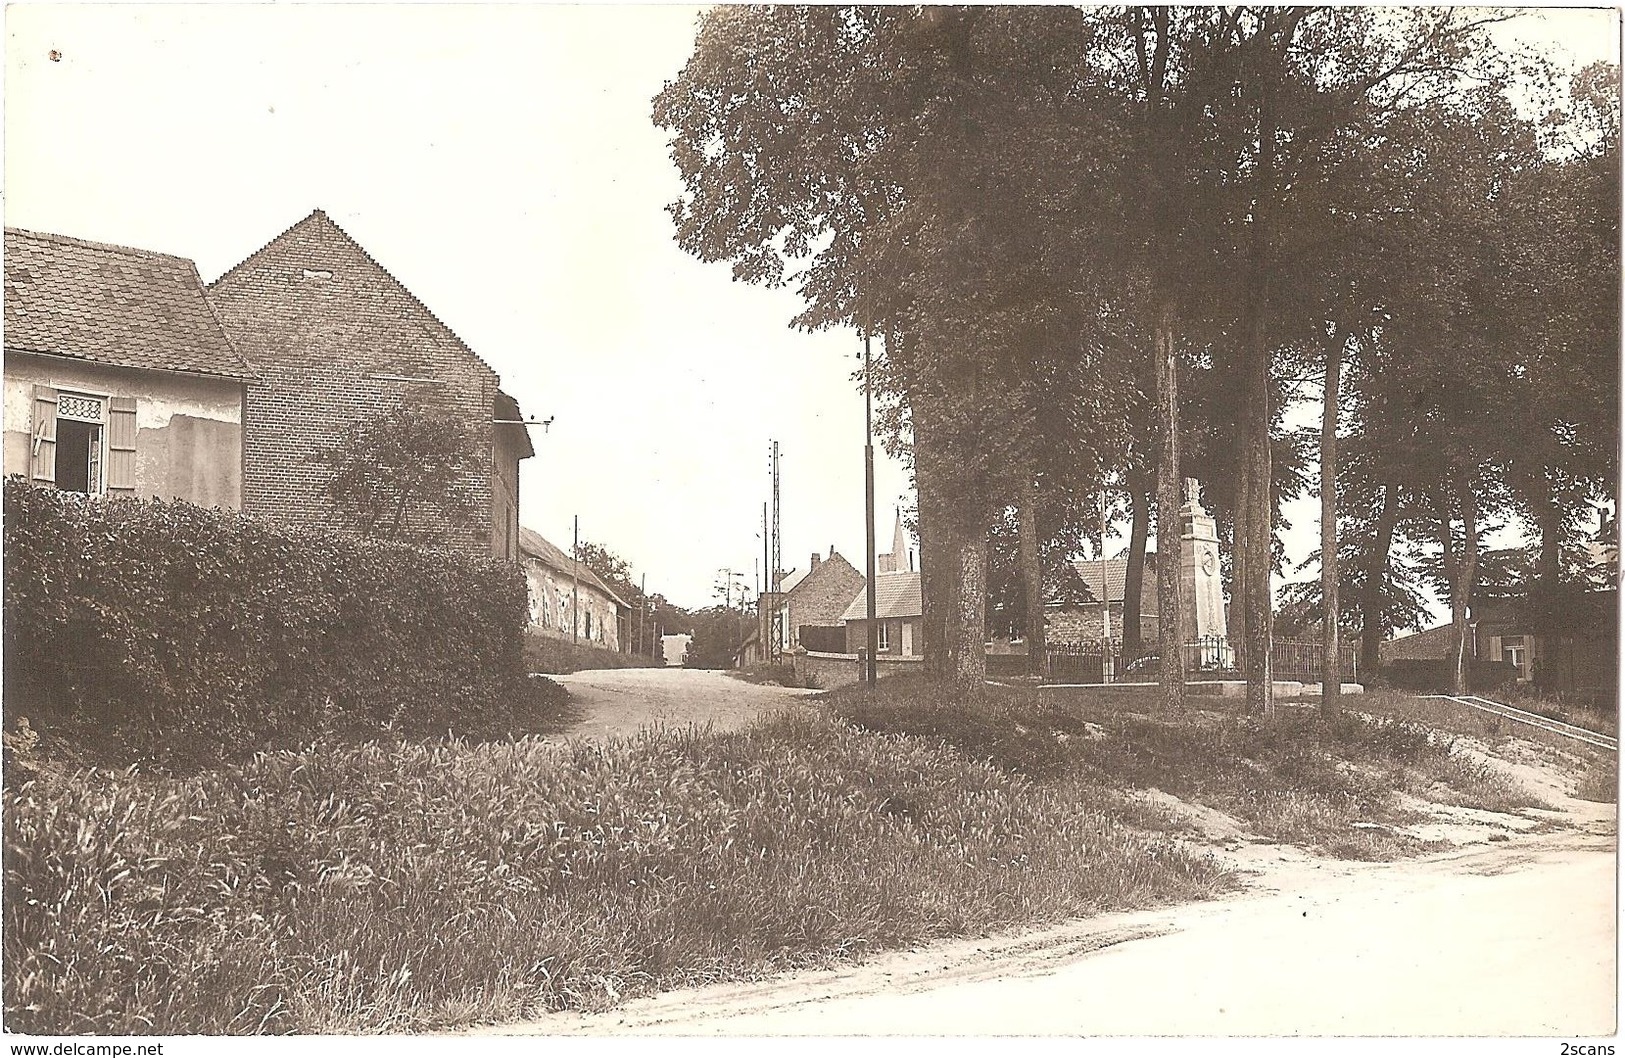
[(815, 560)]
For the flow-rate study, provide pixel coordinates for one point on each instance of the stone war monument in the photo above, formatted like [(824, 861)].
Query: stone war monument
[(1199, 581)]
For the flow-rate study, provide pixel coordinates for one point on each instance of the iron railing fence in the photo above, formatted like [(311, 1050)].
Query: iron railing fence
[(1103, 661)]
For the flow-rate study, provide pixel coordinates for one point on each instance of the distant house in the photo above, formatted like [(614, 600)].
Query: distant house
[(1584, 662), (750, 651), (674, 648), (1102, 618), (806, 611), (336, 339), (119, 378), (567, 600), (898, 616)]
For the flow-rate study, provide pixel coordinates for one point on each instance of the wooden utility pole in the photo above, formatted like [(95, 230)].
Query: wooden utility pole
[(776, 569), (869, 519), (1331, 672), (575, 582)]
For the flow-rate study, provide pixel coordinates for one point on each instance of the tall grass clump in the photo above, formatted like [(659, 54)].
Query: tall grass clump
[(372, 888)]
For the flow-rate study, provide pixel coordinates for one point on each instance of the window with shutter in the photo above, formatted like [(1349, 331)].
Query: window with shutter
[(121, 431), (80, 439), (42, 461)]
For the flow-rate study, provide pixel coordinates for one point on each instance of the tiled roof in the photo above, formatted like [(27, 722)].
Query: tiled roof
[(536, 546), (112, 305), (1430, 644), (896, 595), (1116, 574)]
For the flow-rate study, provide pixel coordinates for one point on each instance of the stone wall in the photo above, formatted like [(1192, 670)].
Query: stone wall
[(836, 670), (551, 610), (1085, 625)]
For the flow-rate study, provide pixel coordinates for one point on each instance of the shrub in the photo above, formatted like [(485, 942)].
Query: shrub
[(1425, 675), (182, 634)]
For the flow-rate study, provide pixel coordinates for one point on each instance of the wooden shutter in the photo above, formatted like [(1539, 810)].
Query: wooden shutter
[(42, 464), (121, 445)]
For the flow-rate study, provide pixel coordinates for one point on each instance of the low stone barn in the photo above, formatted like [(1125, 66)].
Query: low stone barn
[(568, 601)]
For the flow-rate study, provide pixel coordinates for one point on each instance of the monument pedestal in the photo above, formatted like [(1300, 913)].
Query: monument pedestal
[(1200, 585)]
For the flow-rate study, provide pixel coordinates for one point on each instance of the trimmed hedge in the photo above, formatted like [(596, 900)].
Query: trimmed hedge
[(186, 633), (1414, 674)]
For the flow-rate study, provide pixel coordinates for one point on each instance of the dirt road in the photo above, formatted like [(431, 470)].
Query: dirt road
[(621, 701), (1512, 933)]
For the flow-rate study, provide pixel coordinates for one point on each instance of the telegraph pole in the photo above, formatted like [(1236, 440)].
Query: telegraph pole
[(869, 517), (643, 610), (776, 570), (762, 631), (575, 582)]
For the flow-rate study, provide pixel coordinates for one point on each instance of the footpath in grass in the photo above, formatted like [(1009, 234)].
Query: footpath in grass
[(422, 885)]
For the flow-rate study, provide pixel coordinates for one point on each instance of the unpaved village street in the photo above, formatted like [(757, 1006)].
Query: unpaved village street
[(622, 701), (1510, 933)]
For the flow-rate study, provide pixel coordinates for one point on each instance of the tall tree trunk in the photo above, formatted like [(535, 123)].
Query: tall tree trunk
[(1373, 626), (1549, 517), (1170, 609), (1032, 573), (1134, 574), (1256, 596), (1236, 626), (970, 654), (1461, 589), (939, 566), (1257, 599), (1458, 571), (1331, 672)]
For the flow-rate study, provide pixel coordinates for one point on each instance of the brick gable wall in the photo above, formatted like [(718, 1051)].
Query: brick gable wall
[(824, 594), (317, 318)]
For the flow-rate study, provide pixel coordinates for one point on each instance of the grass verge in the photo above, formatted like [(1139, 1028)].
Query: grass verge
[(1292, 777), (777, 675), (410, 886)]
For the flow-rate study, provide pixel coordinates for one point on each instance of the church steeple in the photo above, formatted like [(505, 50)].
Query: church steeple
[(898, 560)]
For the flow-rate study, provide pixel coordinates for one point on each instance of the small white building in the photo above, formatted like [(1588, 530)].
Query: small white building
[(674, 648)]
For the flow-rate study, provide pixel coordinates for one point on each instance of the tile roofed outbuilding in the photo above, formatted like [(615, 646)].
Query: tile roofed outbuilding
[(113, 305), (896, 595), (1116, 575), (536, 546)]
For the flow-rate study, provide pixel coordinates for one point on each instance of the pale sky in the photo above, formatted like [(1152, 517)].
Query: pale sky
[(502, 163)]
